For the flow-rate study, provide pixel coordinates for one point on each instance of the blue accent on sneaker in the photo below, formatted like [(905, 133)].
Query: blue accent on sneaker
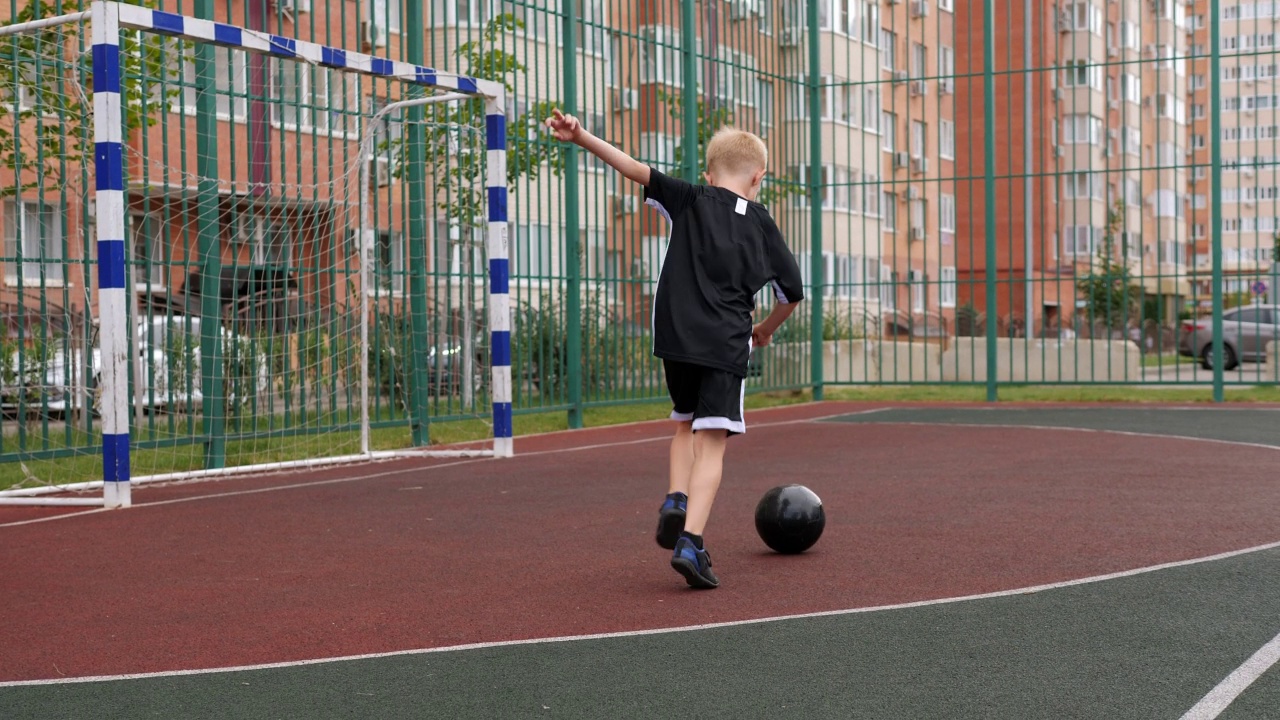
[(670, 521), (694, 565)]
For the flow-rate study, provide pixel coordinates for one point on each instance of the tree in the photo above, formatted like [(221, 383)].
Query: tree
[(46, 100), (456, 158), (710, 120), (1108, 290)]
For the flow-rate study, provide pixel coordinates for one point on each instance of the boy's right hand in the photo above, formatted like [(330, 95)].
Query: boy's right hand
[(565, 127)]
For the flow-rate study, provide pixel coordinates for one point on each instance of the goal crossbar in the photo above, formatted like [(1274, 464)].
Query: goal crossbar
[(108, 18)]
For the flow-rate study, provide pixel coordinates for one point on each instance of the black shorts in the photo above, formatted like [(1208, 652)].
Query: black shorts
[(711, 398)]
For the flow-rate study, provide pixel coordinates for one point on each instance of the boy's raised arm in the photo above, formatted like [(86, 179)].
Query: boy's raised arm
[(568, 129)]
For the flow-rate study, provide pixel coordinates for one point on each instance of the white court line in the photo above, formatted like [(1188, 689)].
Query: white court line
[(1231, 687), (399, 471), (659, 631), (1132, 433)]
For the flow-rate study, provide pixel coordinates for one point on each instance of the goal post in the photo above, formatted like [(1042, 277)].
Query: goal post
[(111, 158)]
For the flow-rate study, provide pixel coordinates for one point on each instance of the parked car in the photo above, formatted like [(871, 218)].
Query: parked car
[(51, 377), (1246, 331)]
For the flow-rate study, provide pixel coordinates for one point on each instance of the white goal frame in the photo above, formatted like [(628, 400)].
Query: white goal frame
[(108, 18)]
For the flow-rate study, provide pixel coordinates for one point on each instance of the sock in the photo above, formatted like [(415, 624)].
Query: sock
[(697, 539)]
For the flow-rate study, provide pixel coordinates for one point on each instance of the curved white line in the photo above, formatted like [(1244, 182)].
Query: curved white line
[(387, 473), (660, 631)]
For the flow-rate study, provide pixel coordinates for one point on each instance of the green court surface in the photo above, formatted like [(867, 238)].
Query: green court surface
[(1148, 645), (1240, 425)]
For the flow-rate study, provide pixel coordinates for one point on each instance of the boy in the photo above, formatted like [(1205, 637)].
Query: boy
[(723, 249)]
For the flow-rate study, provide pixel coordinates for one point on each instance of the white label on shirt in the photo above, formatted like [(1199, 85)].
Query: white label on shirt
[(742, 206)]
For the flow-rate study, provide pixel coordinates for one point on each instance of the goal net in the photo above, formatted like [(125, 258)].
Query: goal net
[(227, 250)]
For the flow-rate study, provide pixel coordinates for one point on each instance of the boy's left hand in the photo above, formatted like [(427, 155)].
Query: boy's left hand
[(565, 127), (759, 338)]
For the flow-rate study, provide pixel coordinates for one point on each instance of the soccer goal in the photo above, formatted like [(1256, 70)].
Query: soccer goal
[(233, 251)]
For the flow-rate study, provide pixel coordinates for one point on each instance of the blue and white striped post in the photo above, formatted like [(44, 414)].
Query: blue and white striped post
[(499, 274), (112, 275)]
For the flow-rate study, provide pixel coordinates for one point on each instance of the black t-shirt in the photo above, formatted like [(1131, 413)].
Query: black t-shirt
[(723, 250)]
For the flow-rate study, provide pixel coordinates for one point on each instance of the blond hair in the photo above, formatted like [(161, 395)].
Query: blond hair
[(736, 152)]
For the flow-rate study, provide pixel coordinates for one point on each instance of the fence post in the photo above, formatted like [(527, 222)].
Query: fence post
[(1215, 189), (572, 215), (689, 89), (211, 370), (420, 335), (814, 82), (989, 184)]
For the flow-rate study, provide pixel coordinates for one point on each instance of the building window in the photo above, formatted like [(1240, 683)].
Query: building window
[(918, 282), (34, 230), (593, 36), (318, 99), (1169, 106), (1082, 186), (888, 123), (531, 249), (889, 212), (946, 68), (660, 55), (230, 72), (947, 213), (458, 12), (947, 282), (1083, 17), (658, 148), (1081, 130), (764, 105), (917, 139), (1079, 73), (871, 109), (871, 195), (147, 243), (947, 139), (1078, 240), (1130, 35), (888, 44), (1131, 88)]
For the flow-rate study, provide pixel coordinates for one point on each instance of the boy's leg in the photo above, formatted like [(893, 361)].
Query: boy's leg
[(719, 414), (681, 457), (682, 384), (704, 482)]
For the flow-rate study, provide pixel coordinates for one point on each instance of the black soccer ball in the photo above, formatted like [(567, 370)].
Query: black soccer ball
[(790, 518)]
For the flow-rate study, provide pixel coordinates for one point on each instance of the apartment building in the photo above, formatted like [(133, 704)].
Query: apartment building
[(918, 90), (1092, 137), (887, 122), (1250, 146)]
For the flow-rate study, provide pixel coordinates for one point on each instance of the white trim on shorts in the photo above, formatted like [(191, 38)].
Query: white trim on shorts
[(724, 423)]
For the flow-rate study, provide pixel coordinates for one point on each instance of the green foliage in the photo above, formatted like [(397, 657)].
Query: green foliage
[(455, 132), (182, 363), (389, 345), (243, 376), (969, 322), (47, 141), (1109, 292), (23, 371), (710, 120), (835, 326), (616, 355)]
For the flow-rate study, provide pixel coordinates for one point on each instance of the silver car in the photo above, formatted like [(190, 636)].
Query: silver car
[(1246, 331)]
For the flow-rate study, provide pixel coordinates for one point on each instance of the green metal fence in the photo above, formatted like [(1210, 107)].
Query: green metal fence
[(978, 193)]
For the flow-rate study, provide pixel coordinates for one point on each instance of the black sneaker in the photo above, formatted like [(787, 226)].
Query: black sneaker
[(670, 521), (693, 564)]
